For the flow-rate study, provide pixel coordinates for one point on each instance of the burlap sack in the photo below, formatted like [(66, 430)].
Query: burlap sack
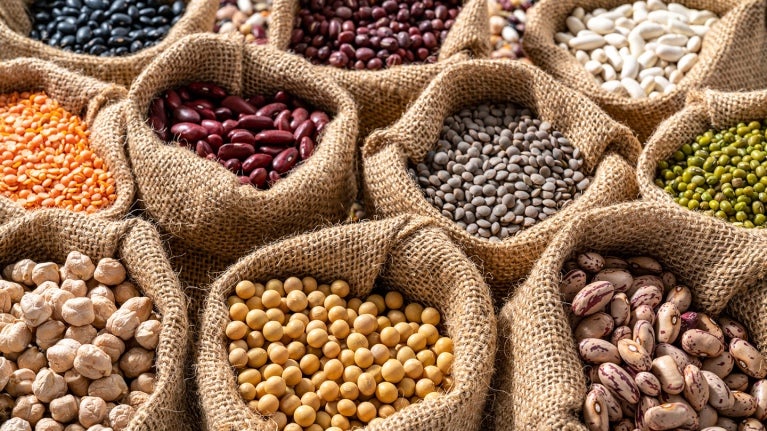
[(49, 235), (402, 254), (539, 382), (706, 109), (201, 202), (725, 62), (96, 102), (389, 190), (383, 95), (15, 25)]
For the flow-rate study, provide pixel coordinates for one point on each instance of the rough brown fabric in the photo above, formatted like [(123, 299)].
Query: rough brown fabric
[(201, 202), (15, 24), (389, 190), (383, 95), (407, 255), (96, 102), (539, 381), (49, 235), (726, 60)]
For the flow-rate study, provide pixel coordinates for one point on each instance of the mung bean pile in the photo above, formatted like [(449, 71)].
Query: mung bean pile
[(722, 173), (498, 169), (654, 362), (311, 358)]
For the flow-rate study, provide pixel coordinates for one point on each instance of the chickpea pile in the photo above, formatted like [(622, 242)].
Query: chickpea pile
[(312, 360), (77, 346)]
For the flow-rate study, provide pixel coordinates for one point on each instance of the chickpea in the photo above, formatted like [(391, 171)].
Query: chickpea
[(35, 310), (7, 368), (48, 385), (29, 408), (136, 361), (143, 383), (99, 290), (77, 288), (64, 409), (79, 266), (120, 416), (32, 359), (16, 424), (76, 383), (123, 323), (81, 334), (20, 382), (136, 398), (22, 271), (125, 291), (91, 362), (109, 271), (93, 410), (111, 345), (103, 308), (148, 334)]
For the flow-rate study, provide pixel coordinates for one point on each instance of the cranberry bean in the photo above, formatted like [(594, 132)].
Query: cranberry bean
[(254, 122), (235, 151), (223, 113), (201, 104), (203, 148), (206, 114), (272, 151), (238, 104), (274, 176), (229, 125), (299, 116)]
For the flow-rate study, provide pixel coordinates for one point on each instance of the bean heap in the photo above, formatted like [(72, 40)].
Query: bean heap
[(310, 359), (497, 170), (249, 17), (361, 34), (102, 27), (259, 139), (657, 364), (46, 158), (78, 345), (507, 26), (637, 50), (722, 173)]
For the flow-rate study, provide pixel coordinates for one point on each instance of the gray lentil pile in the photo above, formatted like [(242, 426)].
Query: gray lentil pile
[(497, 170)]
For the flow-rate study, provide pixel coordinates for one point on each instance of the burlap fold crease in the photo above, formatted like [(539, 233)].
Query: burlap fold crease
[(606, 146), (383, 95), (96, 102), (726, 60), (404, 254), (539, 382), (15, 25), (49, 235), (198, 200)]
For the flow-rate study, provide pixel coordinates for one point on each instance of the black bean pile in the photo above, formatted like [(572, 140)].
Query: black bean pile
[(361, 34), (497, 170), (102, 27)]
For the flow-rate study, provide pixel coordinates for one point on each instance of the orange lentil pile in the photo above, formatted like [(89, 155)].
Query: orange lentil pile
[(46, 159)]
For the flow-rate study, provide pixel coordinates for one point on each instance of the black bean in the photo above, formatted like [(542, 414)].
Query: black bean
[(84, 34)]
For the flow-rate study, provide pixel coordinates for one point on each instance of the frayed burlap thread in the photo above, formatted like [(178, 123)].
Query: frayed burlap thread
[(726, 61), (15, 25), (407, 255), (606, 146), (50, 234), (96, 102), (383, 95), (202, 203), (539, 382)]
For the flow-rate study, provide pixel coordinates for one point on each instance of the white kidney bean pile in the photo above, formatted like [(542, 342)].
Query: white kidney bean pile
[(77, 345), (641, 49), (249, 17), (312, 359), (259, 139), (497, 170), (653, 363)]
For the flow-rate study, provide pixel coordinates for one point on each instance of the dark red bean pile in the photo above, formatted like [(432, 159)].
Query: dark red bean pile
[(260, 139), (364, 34)]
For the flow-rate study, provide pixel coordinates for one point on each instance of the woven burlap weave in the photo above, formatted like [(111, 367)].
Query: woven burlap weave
[(201, 202), (383, 95), (539, 382), (49, 235), (96, 102), (726, 60), (15, 25), (406, 255), (389, 190)]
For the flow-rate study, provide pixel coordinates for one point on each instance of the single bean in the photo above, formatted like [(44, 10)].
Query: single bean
[(701, 343), (592, 298), (748, 358), (671, 379), (619, 382), (594, 326), (695, 387)]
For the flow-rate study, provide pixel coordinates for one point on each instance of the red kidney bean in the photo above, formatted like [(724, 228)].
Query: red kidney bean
[(243, 180), (157, 118), (285, 160), (235, 151), (203, 148), (184, 94), (257, 100), (188, 132), (258, 177), (215, 141), (229, 125), (319, 117), (257, 160), (201, 104), (282, 97), (271, 109), (241, 136), (272, 151), (282, 122), (306, 147), (172, 99), (299, 116), (223, 113), (233, 165), (213, 127), (186, 114), (207, 89), (206, 114), (238, 104), (254, 122), (274, 137), (306, 128), (274, 176)]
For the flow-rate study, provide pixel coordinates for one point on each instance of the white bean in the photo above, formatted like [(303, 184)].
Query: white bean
[(634, 89), (617, 40), (687, 62), (669, 53), (673, 39), (593, 67), (614, 57), (630, 68), (600, 25), (587, 42), (694, 43), (647, 59)]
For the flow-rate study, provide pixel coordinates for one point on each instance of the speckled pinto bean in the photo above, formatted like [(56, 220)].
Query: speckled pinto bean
[(592, 298), (259, 139)]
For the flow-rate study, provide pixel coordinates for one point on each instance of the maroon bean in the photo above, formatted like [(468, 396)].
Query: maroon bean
[(207, 89), (223, 113), (173, 100), (299, 116), (271, 109), (375, 64), (243, 179), (306, 147), (157, 118), (338, 59), (365, 54), (282, 122), (307, 128), (274, 176), (285, 160), (346, 37), (238, 104), (233, 165), (188, 132), (211, 156), (258, 177), (186, 114), (296, 36), (274, 137), (203, 148), (318, 117), (213, 127), (282, 97), (235, 151), (184, 94), (255, 161), (215, 141), (257, 100), (254, 122), (229, 125), (206, 114), (272, 151), (201, 104), (241, 136)]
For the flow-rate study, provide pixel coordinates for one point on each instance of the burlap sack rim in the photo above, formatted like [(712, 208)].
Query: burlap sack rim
[(174, 320), (203, 11), (701, 105), (106, 98), (405, 226), (344, 117), (709, 57)]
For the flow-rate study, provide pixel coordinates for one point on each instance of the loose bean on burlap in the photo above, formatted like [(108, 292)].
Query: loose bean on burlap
[(383, 95), (705, 109), (202, 203), (539, 382), (50, 234), (726, 60), (407, 255), (389, 190), (15, 25), (98, 103)]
